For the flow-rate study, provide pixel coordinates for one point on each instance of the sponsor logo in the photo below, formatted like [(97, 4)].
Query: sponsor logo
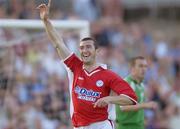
[(99, 83), (88, 95), (87, 98)]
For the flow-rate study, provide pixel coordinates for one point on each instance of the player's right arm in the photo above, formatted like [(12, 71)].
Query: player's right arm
[(147, 105), (56, 39)]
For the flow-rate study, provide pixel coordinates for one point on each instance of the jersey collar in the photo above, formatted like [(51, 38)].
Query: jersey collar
[(97, 69), (130, 77)]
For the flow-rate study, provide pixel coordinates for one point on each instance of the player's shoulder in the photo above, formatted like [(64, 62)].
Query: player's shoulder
[(128, 79), (108, 72), (111, 73)]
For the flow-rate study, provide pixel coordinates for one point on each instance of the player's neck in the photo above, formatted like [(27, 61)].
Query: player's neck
[(134, 77), (90, 67)]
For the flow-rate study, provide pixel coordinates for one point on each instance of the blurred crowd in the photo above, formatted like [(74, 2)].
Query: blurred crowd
[(34, 85)]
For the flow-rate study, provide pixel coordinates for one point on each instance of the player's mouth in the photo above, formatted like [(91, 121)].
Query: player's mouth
[(86, 56)]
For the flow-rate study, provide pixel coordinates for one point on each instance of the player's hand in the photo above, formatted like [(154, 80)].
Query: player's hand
[(102, 102), (44, 10), (152, 105)]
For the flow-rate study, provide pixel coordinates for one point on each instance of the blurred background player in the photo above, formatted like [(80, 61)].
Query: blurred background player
[(91, 83), (132, 117)]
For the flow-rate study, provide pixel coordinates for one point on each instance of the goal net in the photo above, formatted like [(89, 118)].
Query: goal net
[(33, 82)]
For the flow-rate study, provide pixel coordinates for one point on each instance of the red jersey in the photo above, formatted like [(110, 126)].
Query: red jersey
[(87, 87)]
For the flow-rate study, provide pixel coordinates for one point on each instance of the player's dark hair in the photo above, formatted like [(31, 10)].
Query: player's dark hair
[(92, 39), (132, 61)]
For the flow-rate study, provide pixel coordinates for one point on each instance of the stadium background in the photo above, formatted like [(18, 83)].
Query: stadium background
[(34, 87)]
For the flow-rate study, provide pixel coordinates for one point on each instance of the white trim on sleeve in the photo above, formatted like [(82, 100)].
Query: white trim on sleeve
[(129, 98), (67, 57)]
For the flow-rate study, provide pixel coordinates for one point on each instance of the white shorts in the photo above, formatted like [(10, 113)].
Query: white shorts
[(107, 124)]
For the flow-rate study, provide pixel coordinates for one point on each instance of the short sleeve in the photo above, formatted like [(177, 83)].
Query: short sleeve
[(121, 87), (73, 62)]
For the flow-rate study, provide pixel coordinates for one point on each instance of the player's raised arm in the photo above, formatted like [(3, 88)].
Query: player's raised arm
[(56, 39)]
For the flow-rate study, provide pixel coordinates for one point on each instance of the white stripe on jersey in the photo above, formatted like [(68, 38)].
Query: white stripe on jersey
[(129, 98), (112, 112), (89, 74), (70, 78)]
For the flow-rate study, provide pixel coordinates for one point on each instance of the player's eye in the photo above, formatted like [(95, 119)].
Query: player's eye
[(88, 46), (81, 47)]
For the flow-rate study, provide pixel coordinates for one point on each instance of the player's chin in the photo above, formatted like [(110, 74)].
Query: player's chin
[(87, 62), (142, 78), (142, 75), (85, 59)]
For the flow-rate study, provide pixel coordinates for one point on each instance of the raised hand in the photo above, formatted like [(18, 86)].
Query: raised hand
[(44, 10)]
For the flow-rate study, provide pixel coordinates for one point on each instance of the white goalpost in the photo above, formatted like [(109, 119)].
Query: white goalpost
[(82, 26)]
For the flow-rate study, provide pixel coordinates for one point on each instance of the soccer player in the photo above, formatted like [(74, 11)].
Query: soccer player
[(132, 117), (90, 82)]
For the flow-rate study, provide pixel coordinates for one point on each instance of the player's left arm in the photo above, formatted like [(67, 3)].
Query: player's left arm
[(124, 93), (146, 105), (119, 99)]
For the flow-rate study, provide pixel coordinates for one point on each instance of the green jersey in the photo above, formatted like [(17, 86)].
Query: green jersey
[(132, 119)]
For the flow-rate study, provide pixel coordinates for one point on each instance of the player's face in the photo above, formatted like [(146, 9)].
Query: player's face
[(87, 51), (140, 68)]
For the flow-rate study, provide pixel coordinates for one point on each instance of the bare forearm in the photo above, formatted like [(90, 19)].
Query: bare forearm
[(132, 107), (147, 105), (56, 39), (120, 100)]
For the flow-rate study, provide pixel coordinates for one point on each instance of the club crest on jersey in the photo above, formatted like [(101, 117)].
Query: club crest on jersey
[(99, 83)]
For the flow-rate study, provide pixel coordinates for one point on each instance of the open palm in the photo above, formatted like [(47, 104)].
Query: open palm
[(44, 10)]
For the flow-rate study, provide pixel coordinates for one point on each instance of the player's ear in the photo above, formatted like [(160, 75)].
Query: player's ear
[(97, 50)]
